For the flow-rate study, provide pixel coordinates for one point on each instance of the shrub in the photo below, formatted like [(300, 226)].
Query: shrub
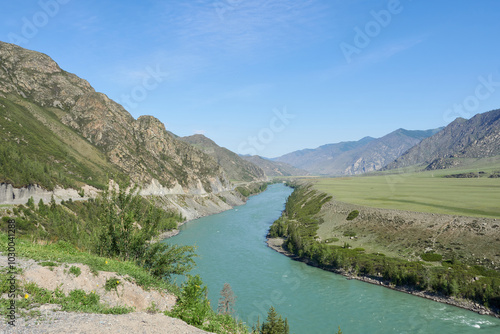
[(353, 214), (349, 234), (431, 257), (112, 284), (329, 240), (75, 271), (192, 306), (48, 264)]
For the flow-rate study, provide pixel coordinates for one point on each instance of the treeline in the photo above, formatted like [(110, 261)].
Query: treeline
[(299, 223), (252, 188)]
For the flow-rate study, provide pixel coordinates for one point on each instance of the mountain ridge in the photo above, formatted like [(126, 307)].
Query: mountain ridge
[(141, 150), (235, 167), (356, 157), (477, 137)]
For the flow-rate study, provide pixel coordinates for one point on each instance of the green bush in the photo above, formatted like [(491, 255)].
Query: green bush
[(112, 284), (75, 271), (48, 264), (431, 257), (349, 234), (192, 306), (330, 240), (353, 214)]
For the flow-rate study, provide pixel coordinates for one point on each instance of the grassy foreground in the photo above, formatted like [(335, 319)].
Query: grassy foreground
[(428, 191)]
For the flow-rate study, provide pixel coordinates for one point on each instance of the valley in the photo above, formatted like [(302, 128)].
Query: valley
[(414, 210)]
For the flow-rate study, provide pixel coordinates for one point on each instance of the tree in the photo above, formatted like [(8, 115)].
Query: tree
[(164, 260), (274, 324), (226, 301)]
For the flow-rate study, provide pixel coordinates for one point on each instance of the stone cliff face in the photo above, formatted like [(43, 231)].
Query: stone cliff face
[(141, 149)]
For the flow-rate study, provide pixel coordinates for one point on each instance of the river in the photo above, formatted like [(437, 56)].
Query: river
[(231, 248)]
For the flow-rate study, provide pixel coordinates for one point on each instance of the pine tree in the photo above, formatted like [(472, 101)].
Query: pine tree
[(226, 301), (274, 324)]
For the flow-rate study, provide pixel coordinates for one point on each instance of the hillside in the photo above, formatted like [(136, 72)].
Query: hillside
[(478, 137), (70, 135), (234, 166), (275, 168), (350, 158)]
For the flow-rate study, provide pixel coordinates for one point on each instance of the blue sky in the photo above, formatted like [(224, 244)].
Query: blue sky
[(273, 76)]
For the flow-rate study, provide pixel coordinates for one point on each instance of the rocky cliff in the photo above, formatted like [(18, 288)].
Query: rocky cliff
[(33, 86)]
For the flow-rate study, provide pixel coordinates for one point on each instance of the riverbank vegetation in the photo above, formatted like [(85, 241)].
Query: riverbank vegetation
[(251, 188), (298, 226)]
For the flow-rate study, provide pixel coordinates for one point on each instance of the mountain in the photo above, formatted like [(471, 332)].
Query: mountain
[(235, 167), (275, 168), (67, 134), (366, 155), (478, 137), (308, 159)]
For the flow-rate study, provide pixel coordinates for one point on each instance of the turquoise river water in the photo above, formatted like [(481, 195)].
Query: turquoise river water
[(231, 247)]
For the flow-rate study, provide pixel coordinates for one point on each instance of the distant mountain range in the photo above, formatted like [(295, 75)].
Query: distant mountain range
[(356, 157), (275, 168), (478, 137)]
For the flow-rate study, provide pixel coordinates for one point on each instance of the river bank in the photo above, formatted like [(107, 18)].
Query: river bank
[(276, 244)]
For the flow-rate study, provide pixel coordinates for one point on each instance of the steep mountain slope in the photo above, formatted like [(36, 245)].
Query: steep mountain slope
[(235, 167), (275, 168), (61, 124), (478, 137), (365, 155)]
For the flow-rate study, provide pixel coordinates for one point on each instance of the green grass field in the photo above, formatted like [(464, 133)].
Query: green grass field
[(422, 191)]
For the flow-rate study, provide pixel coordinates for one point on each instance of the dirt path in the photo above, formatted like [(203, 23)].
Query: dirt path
[(64, 322)]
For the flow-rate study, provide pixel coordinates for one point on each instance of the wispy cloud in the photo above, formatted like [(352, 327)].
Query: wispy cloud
[(245, 26), (389, 51), (377, 55)]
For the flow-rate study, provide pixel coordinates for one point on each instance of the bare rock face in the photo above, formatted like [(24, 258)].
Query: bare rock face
[(141, 148)]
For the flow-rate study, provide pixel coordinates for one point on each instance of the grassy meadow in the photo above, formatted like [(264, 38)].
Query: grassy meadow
[(427, 191)]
